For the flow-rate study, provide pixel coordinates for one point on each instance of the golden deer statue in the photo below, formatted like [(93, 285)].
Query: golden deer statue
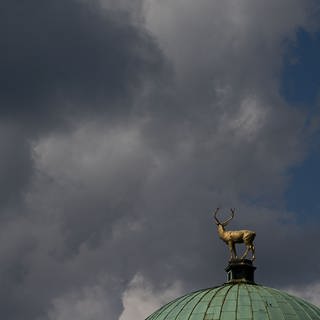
[(233, 237)]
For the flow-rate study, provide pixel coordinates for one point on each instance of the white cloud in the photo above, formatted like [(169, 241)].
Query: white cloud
[(310, 292), (140, 299), (91, 303), (248, 120)]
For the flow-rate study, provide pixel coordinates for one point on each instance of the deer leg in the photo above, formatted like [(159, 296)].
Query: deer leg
[(252, 250), (246, 252), (232, 250)]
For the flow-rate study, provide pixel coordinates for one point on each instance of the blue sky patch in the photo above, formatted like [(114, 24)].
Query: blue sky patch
[(300, 87), (301, 74)]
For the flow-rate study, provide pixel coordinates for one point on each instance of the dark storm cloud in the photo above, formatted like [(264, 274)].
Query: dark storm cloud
[(16, 164), (61, 61), (63, 57), (107, 200)]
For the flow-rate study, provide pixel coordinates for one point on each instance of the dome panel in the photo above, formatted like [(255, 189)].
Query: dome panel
[(241, 301)]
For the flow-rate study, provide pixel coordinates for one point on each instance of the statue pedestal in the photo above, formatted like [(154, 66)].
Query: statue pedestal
[(240, 270)]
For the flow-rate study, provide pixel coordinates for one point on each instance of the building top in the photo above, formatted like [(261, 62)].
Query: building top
[(233, 301), (240, 298)]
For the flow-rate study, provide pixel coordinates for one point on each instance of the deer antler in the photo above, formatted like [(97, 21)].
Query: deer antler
[(227, 221), (215, 215)]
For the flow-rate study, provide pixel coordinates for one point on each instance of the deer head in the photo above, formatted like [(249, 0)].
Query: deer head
[(223, 224)]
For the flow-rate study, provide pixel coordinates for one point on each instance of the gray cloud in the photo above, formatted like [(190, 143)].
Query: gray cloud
[(16, 164), (61, 62), (154, 141), (64, 58)]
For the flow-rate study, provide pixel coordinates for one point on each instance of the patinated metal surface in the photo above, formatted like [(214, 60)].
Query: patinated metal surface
[(237, 301)]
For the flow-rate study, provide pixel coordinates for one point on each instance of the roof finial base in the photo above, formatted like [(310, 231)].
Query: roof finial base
[(240, 270)]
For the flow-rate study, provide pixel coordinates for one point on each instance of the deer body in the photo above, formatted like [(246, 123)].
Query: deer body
[(233, 237)]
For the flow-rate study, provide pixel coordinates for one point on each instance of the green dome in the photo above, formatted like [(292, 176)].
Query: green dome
[(241, 301)]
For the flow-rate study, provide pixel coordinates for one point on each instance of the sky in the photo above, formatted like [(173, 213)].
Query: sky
[(125, 123)]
